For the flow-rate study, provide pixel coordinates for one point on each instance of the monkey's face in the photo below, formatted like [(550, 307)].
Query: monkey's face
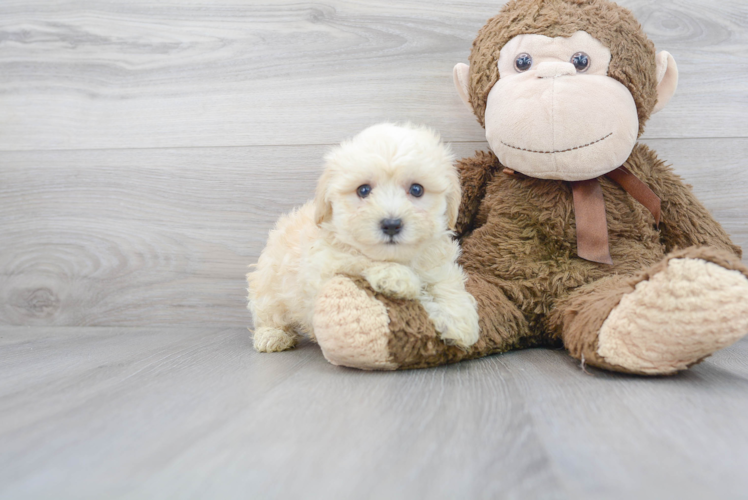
[(555, 113)]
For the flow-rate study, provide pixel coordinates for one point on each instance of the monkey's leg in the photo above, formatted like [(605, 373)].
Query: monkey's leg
[(662, 320), (359, 328)]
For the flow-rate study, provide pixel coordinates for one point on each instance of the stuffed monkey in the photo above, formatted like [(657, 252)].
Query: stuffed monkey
[(572, 233)]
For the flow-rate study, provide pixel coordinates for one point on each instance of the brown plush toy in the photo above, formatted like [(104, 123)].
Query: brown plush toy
[(573, 234)]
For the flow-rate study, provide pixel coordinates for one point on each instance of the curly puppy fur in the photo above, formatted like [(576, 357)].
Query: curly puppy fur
[(342, 232)]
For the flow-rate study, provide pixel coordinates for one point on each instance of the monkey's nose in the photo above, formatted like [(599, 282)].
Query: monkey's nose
[(554, 69), (391, 227)]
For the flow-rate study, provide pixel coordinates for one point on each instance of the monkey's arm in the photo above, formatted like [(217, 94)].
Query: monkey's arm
[(685, 221), (475, 173)]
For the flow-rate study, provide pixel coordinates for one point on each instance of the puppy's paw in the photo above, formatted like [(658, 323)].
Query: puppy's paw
[(456, 322), (267, 339), (394, 280)]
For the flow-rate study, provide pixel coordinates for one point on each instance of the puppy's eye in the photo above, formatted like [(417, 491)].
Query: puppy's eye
[(523, 62), (416, 190), (581, 61), (363, 190)]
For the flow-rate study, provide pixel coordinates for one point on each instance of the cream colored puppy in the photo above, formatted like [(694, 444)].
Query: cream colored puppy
[(384, 209)]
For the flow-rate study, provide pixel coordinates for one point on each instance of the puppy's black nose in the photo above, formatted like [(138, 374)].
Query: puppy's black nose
[(391, 227)]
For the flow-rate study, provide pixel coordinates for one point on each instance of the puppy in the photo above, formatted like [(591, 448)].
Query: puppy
[(384, 209)]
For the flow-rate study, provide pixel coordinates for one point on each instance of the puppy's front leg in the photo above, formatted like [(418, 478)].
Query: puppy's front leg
[(393, 280), (451, 308)]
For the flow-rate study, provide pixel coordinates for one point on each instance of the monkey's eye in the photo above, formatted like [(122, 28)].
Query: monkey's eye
[(523, 62), (416, 190), (581, 61), (363, 190)]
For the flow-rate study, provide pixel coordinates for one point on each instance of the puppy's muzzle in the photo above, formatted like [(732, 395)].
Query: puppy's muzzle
[(391, 227)]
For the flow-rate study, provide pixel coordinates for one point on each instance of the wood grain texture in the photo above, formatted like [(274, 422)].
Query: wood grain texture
[(109, 74), (195, 413), (164, 237)]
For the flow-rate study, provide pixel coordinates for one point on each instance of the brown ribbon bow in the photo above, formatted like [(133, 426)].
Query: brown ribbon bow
[(589, 211)]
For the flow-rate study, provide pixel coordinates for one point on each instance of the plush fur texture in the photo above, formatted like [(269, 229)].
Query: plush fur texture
[(632, 53), (669, 320), (530, 287), (553, 122), (673, 296), (582, 314), (365, 320), (342, 232)]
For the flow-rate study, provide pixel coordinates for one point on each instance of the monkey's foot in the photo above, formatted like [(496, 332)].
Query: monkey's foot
[(351, 327), (677, 318)]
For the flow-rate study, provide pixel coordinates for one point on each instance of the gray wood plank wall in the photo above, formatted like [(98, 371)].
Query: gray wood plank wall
[(146, 148)]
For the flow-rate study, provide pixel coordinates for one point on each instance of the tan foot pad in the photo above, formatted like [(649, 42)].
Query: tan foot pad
[(680, 316), (351, 327)]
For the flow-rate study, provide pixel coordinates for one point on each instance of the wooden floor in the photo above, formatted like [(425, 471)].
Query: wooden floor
[(196, 413), (146, 148)]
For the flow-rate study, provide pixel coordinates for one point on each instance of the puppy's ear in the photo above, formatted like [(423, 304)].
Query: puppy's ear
[(454, 196), (322, 205)]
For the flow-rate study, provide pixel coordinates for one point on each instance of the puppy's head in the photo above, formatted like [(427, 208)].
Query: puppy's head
[(388, 191)]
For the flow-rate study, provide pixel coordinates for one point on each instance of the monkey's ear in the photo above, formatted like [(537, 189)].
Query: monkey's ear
[(667, 79), (322, 206), (461, 76)]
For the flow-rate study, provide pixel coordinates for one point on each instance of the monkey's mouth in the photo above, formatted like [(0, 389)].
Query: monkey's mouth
[(559, 150)]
